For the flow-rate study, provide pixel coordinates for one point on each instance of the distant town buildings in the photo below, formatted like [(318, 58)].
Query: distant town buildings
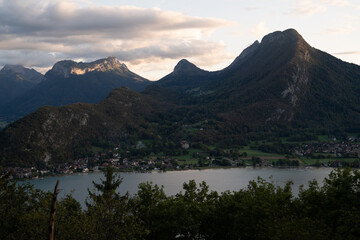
[(184, 144)]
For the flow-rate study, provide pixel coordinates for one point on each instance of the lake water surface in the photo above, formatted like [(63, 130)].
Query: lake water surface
[(220, 180)]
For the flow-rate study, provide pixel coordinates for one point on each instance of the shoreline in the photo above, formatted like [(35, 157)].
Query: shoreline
[(177, 170)]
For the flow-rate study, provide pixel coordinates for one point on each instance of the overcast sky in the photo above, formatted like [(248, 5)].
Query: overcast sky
[(150, 37)]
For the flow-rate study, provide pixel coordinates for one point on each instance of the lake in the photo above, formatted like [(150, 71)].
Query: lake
[(220, 180)]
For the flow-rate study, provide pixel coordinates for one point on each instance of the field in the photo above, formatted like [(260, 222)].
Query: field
[(257, 153)]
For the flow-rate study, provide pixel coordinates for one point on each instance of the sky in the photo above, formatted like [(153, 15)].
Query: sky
[(150, 37)]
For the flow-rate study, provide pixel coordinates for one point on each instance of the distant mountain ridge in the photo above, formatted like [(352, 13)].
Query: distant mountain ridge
[(68, 67), (186, 76), (279, 83), (15, 80), (22, 74), (70, 82)]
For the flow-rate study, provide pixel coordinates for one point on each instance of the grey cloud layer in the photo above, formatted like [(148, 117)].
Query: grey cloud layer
[(53, 29), (169, 50), (64, 19)]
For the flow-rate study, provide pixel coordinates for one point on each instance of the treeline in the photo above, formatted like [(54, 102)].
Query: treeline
[(261, 211)]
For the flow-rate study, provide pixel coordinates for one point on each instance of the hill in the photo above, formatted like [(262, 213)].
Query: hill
[(186, 77), (57, 133)]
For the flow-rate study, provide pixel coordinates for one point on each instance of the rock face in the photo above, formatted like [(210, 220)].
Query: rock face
[(68, 67)]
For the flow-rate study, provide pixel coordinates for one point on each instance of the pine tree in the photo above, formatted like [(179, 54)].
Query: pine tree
[(109, 213)]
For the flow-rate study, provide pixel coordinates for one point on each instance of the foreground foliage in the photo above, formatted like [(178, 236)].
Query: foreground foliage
[(261, 211)]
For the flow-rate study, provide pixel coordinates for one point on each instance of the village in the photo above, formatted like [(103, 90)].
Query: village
[(125, 163), (334, 148), (335, 152), (94, 164)]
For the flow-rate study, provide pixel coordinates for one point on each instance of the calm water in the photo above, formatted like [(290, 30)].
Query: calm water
[(218, 179)]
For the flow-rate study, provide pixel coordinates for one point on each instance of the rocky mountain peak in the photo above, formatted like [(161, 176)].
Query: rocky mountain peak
[(14, 68), (278, 37), (109, 63), (184, 66), (20, 73), (68, 67)]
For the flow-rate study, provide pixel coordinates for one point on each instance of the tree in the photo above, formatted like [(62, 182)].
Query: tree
[(107, 188), (24, 211), (70, 221), (334, 206), (109, 214), (149, 205)]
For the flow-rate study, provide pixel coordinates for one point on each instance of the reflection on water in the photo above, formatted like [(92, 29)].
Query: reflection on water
[(220, 180)]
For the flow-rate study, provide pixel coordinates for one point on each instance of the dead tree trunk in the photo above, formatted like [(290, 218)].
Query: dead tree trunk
[(52, 212)]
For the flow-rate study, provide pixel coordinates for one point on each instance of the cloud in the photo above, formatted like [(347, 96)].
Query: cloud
[(26, 58), (46, 31), (311, 7), (252, 8), (345, 24), (341, 29), (63, 19), (260, 30), (348, 53), (339, 3), (307, 7)]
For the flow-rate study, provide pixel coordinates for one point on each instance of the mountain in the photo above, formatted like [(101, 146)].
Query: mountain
[(16, 80), (281, 79), (284, 80), (186, 77), (277, 84), (56, 133), (70, 82)]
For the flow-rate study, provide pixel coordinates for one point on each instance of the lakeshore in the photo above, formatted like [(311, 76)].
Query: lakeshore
[(219, 179)]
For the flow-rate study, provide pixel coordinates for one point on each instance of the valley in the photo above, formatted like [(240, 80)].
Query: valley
[(186, 120), (274, 105)]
